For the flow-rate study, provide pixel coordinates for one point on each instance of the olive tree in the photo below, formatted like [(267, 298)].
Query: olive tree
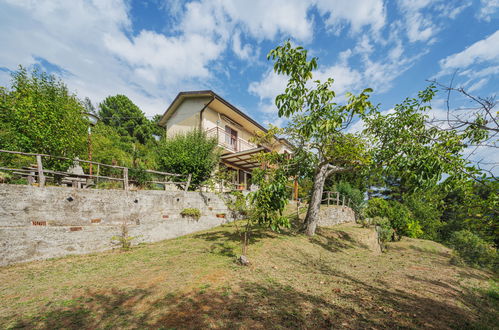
[(318, 123)]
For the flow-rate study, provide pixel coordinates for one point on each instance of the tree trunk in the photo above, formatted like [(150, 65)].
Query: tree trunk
[(315, 201)]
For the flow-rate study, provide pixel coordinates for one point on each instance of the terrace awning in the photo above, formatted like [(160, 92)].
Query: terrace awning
[(243, 159)]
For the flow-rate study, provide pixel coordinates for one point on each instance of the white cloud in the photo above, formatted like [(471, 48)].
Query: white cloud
[(489, 8), (270, 86), (481, 51), (244, 52), (356, 13), (266, 19), (419, 27)]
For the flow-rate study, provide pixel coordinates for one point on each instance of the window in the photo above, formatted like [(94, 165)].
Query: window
[(231, 137)]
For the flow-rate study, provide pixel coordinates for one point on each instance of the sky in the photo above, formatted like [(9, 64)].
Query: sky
[(152, 50)]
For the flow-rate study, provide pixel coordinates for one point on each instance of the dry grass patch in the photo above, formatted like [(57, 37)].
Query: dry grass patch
[(333, 280)]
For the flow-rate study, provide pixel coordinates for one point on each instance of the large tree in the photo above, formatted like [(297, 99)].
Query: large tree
[(405, 147), (318, 124), (120, 112), (38, 114)]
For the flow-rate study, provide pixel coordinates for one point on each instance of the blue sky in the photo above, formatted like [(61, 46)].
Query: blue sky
[(151, 50)]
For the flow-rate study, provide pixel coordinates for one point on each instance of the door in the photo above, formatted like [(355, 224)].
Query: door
[(231, 137)]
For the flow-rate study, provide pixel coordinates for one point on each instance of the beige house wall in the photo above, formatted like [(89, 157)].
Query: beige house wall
[(211, 117), (186, 118)]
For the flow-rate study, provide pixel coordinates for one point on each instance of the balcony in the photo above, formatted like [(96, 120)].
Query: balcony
[(228, 141)]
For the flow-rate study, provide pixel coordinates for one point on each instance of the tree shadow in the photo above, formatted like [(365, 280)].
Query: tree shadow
[(253, 305), (223, 240), (335, 240)]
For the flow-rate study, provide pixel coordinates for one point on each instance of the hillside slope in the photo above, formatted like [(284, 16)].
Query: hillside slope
[(333, 280)]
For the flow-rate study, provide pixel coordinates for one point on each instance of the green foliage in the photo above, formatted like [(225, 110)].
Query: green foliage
[(139, 176), (317, 121), (474, 250), (124, 240), (400, 217), (410, 150), (109, 148), (129, 121), (190, 153), (426, 208), (384, 228), (355, 195), (472, 206), (272, 196), (191, 212), (38, 114)]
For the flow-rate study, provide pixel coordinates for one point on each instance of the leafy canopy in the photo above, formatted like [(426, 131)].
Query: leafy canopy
[(121, 113), (38, 114), (190, 153), (405, 147)]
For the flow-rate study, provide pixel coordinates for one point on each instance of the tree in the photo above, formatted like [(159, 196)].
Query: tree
[(38, 114), (190, 153), (317, 123), (417, 155), (476, 121), (121, 113)]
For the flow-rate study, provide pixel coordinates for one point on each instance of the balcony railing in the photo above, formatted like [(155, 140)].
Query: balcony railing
[(228, 141)]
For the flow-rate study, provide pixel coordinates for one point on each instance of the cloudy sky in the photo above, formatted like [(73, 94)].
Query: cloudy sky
[(151, 50)]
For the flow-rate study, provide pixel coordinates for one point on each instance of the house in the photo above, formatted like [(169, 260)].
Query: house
[(233, 129)]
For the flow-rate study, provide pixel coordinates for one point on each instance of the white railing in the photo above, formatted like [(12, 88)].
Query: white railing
[(229, 142)]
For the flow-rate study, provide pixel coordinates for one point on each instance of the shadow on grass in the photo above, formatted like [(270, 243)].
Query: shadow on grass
[(335, 240), (227, 241), (255, 305)]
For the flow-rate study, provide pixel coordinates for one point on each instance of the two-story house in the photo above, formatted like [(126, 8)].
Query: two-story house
[(233, 129)]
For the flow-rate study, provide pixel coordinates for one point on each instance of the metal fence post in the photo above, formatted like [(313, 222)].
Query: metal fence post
[(41, 176)]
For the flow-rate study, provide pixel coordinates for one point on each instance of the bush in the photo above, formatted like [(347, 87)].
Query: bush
[(427, 208), (191, 212), (385, 230), (191, 153), (355, 195), (474, 250), (400, 217)]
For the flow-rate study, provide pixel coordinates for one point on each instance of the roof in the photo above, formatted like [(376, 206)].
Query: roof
[(206, 93), (209, 93)]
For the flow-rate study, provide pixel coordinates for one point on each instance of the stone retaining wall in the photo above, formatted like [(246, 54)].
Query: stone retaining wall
[(40, 223), (335, 214)]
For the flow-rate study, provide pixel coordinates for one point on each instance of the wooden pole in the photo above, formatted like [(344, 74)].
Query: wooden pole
[(343, 203), (296, 189), (337, 198), (328, 197), (41, 176), (98, 173), (188, 181), (125, 178)]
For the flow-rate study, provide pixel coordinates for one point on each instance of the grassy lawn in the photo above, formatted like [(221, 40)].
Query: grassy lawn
[(333, 280)]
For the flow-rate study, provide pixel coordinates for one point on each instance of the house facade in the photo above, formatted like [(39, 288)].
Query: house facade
[(232, 128)]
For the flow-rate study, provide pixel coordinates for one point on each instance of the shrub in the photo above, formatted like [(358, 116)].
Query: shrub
[(474, 250), (400, 217), (191, 212), (414, 229), (139, 176), (191, 153), (355, 195), (384, 228), (427, 208)]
